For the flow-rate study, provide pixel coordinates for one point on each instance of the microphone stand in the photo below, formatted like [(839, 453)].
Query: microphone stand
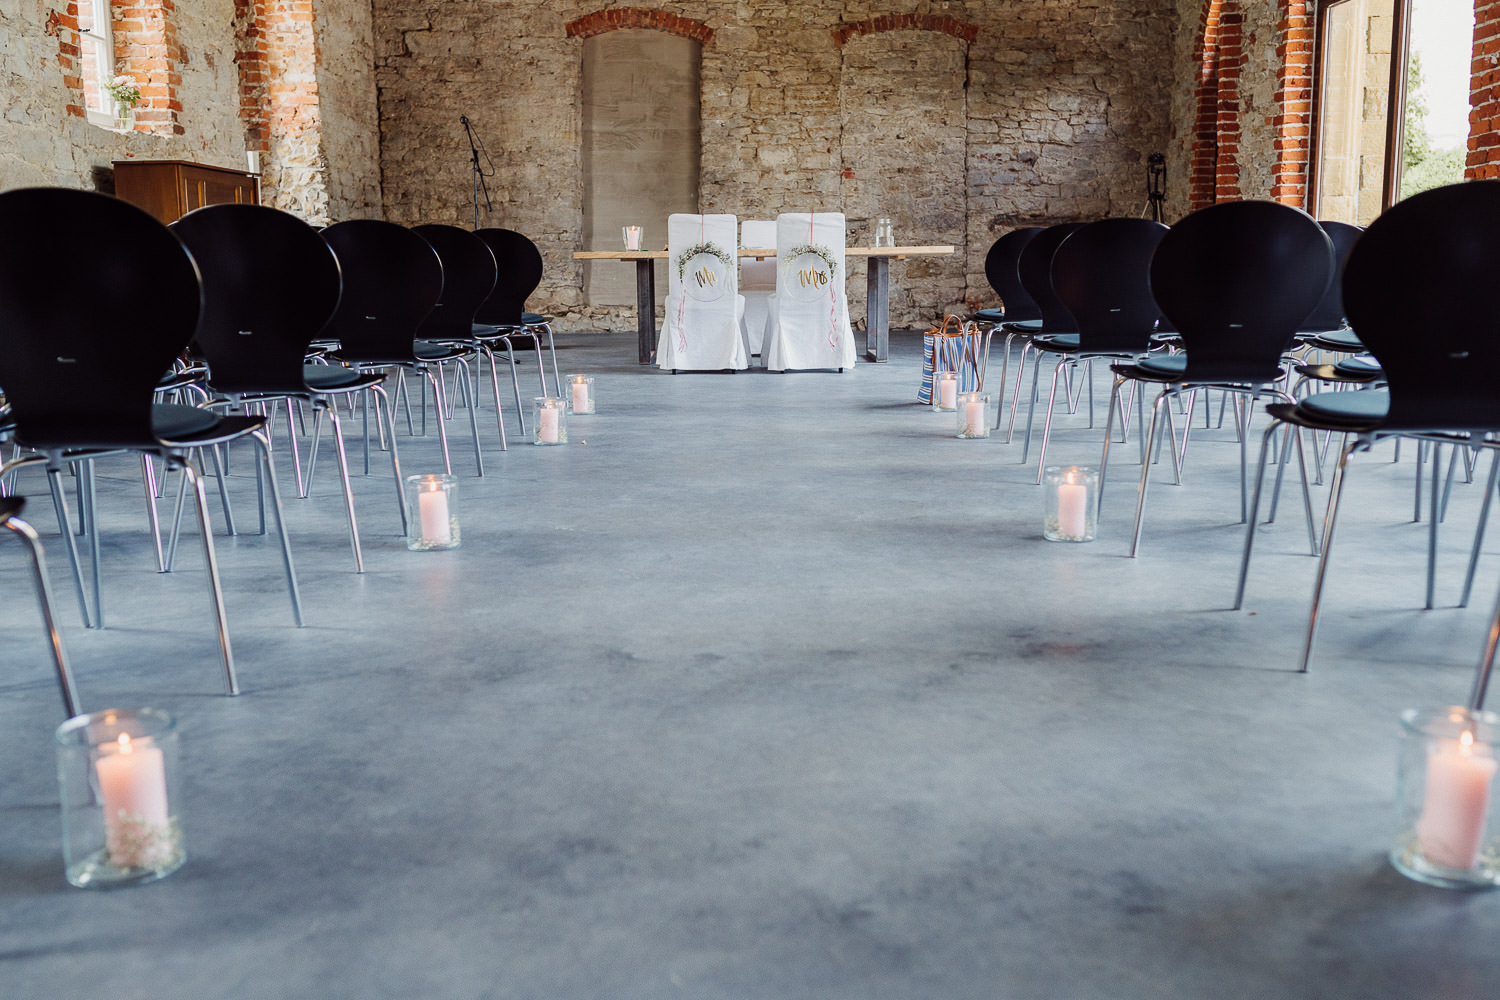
[(476, 146)]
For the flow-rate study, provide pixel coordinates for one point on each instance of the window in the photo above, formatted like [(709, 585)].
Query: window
[(1393, 102), (97, 50)]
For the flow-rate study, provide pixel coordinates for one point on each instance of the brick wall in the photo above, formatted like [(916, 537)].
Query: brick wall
[(1483, 160), (1033, 115)]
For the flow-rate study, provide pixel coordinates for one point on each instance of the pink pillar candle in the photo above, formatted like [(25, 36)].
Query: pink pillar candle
[(133, 790), (1455, 802), (1072, 509), (547, 422)]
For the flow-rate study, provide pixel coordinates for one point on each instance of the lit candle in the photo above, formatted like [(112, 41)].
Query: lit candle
[(1072, 508), (547, 424), (1456, 803), (632, 237), (432, 511), (133, 789), (580, 395), (974, 417), (948, 392)]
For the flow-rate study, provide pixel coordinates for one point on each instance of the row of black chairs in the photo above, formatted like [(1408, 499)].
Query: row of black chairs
[(1229, 297), (250, 306)]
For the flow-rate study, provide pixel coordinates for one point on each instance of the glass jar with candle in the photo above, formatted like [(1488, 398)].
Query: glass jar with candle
[(549, 423), (121, 811), (1448, 827), (945, 391), (633, 236), (580, 394), (431, 512), (971, 408), (1071, 495), (885, 233)]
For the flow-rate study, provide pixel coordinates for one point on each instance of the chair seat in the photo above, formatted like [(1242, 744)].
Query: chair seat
[(1162, 364), (1025, 326), (1360, 408), (1061, 343), (177, 422), (330, 378), (432, 350), (990, 316), (1359, 364), (533, 319), (1337, 340)]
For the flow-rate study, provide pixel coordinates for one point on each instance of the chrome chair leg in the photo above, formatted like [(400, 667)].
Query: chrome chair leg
[(382, 398), (1484, 516), (1152, 435), (343, 459), (1260, 478), (1330, 521), (65, 526), (1486, 661), (215, 591), (44, 598), (1041, 461), (1109, 423), (1015, 398), (148, 479), (1433, 521), (286, 547)]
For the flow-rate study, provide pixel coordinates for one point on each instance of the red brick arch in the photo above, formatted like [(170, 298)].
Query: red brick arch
[(906, 22), (616, 18), (1216, 129)]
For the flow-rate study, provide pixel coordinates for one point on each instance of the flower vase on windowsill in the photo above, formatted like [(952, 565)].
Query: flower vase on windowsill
[(124, 92)]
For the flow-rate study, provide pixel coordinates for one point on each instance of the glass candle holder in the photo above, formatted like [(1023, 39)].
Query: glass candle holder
[(549, 423), (633, 236), (885, 233), (1449, 830), (580, 394), (121, 814), (971, 410), (1071, 495), (945, 391), (433, 519)]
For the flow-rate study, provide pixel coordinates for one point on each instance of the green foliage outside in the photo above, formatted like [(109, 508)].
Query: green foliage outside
[(1422, 166)]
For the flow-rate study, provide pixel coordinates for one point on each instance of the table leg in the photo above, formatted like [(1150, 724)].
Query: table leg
[(878, 309), (645, 306)]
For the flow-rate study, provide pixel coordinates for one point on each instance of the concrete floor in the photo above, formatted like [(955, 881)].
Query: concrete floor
[(765, 686)]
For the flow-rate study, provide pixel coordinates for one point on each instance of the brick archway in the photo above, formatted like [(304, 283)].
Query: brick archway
[(906, 22), (1294, 34), (617, 18)]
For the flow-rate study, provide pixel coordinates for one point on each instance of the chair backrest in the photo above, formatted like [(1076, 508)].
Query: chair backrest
[(469, 276), (701, 260), (1035, 269), (1328, 314), (758, 275), (520, 271), (270, 285), (1101, 275), (392, 279), (1002, 270), (96, 300), (1236, 279), (1418, 291)]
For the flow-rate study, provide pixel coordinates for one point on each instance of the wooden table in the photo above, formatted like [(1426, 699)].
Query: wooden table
[(877, 286)]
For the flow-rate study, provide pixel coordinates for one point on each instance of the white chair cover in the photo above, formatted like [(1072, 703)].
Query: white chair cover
[(809, 313), (701, 330), (757, 282)]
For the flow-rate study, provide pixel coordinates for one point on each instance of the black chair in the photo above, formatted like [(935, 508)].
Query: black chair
[(10, 510), (1236, 279), (520, 264), (1099, 275), (1001, 270), (1035, 271), (255, 344), (392, 280), (1416, 290), (469, 274), (80, 370)]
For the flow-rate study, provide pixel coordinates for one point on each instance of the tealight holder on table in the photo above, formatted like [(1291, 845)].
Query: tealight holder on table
[(581, 393), (633, 236), (971, 409), (1071, 497), (1449, 830), (945, 391), (435, 524), (549, 420), (121, 814)]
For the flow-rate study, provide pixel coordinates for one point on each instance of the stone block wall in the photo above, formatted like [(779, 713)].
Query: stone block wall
[(960, 120), (188, 57)]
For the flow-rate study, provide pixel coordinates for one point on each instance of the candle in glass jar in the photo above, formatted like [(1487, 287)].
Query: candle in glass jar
[(974, 417), (133, 790), (547, 425), (1072, 508), (432, 512), (580, 396), (1455, 803), (632, 237), (948, 393)]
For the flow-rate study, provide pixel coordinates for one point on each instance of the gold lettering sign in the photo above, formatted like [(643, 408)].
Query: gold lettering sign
[(705, 278), (811, 277)]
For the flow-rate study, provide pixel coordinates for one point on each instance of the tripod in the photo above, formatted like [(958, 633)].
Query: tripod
[(1156, 188), (476, 146)]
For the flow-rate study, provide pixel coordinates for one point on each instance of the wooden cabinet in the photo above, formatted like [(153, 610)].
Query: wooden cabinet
[(169, 189)]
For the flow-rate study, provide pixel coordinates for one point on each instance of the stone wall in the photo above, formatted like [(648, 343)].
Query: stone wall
[(45, 139), (960, 120)]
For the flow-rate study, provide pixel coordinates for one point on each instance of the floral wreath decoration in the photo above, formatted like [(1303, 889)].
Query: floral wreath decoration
[(712, 249), (817, 250)]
